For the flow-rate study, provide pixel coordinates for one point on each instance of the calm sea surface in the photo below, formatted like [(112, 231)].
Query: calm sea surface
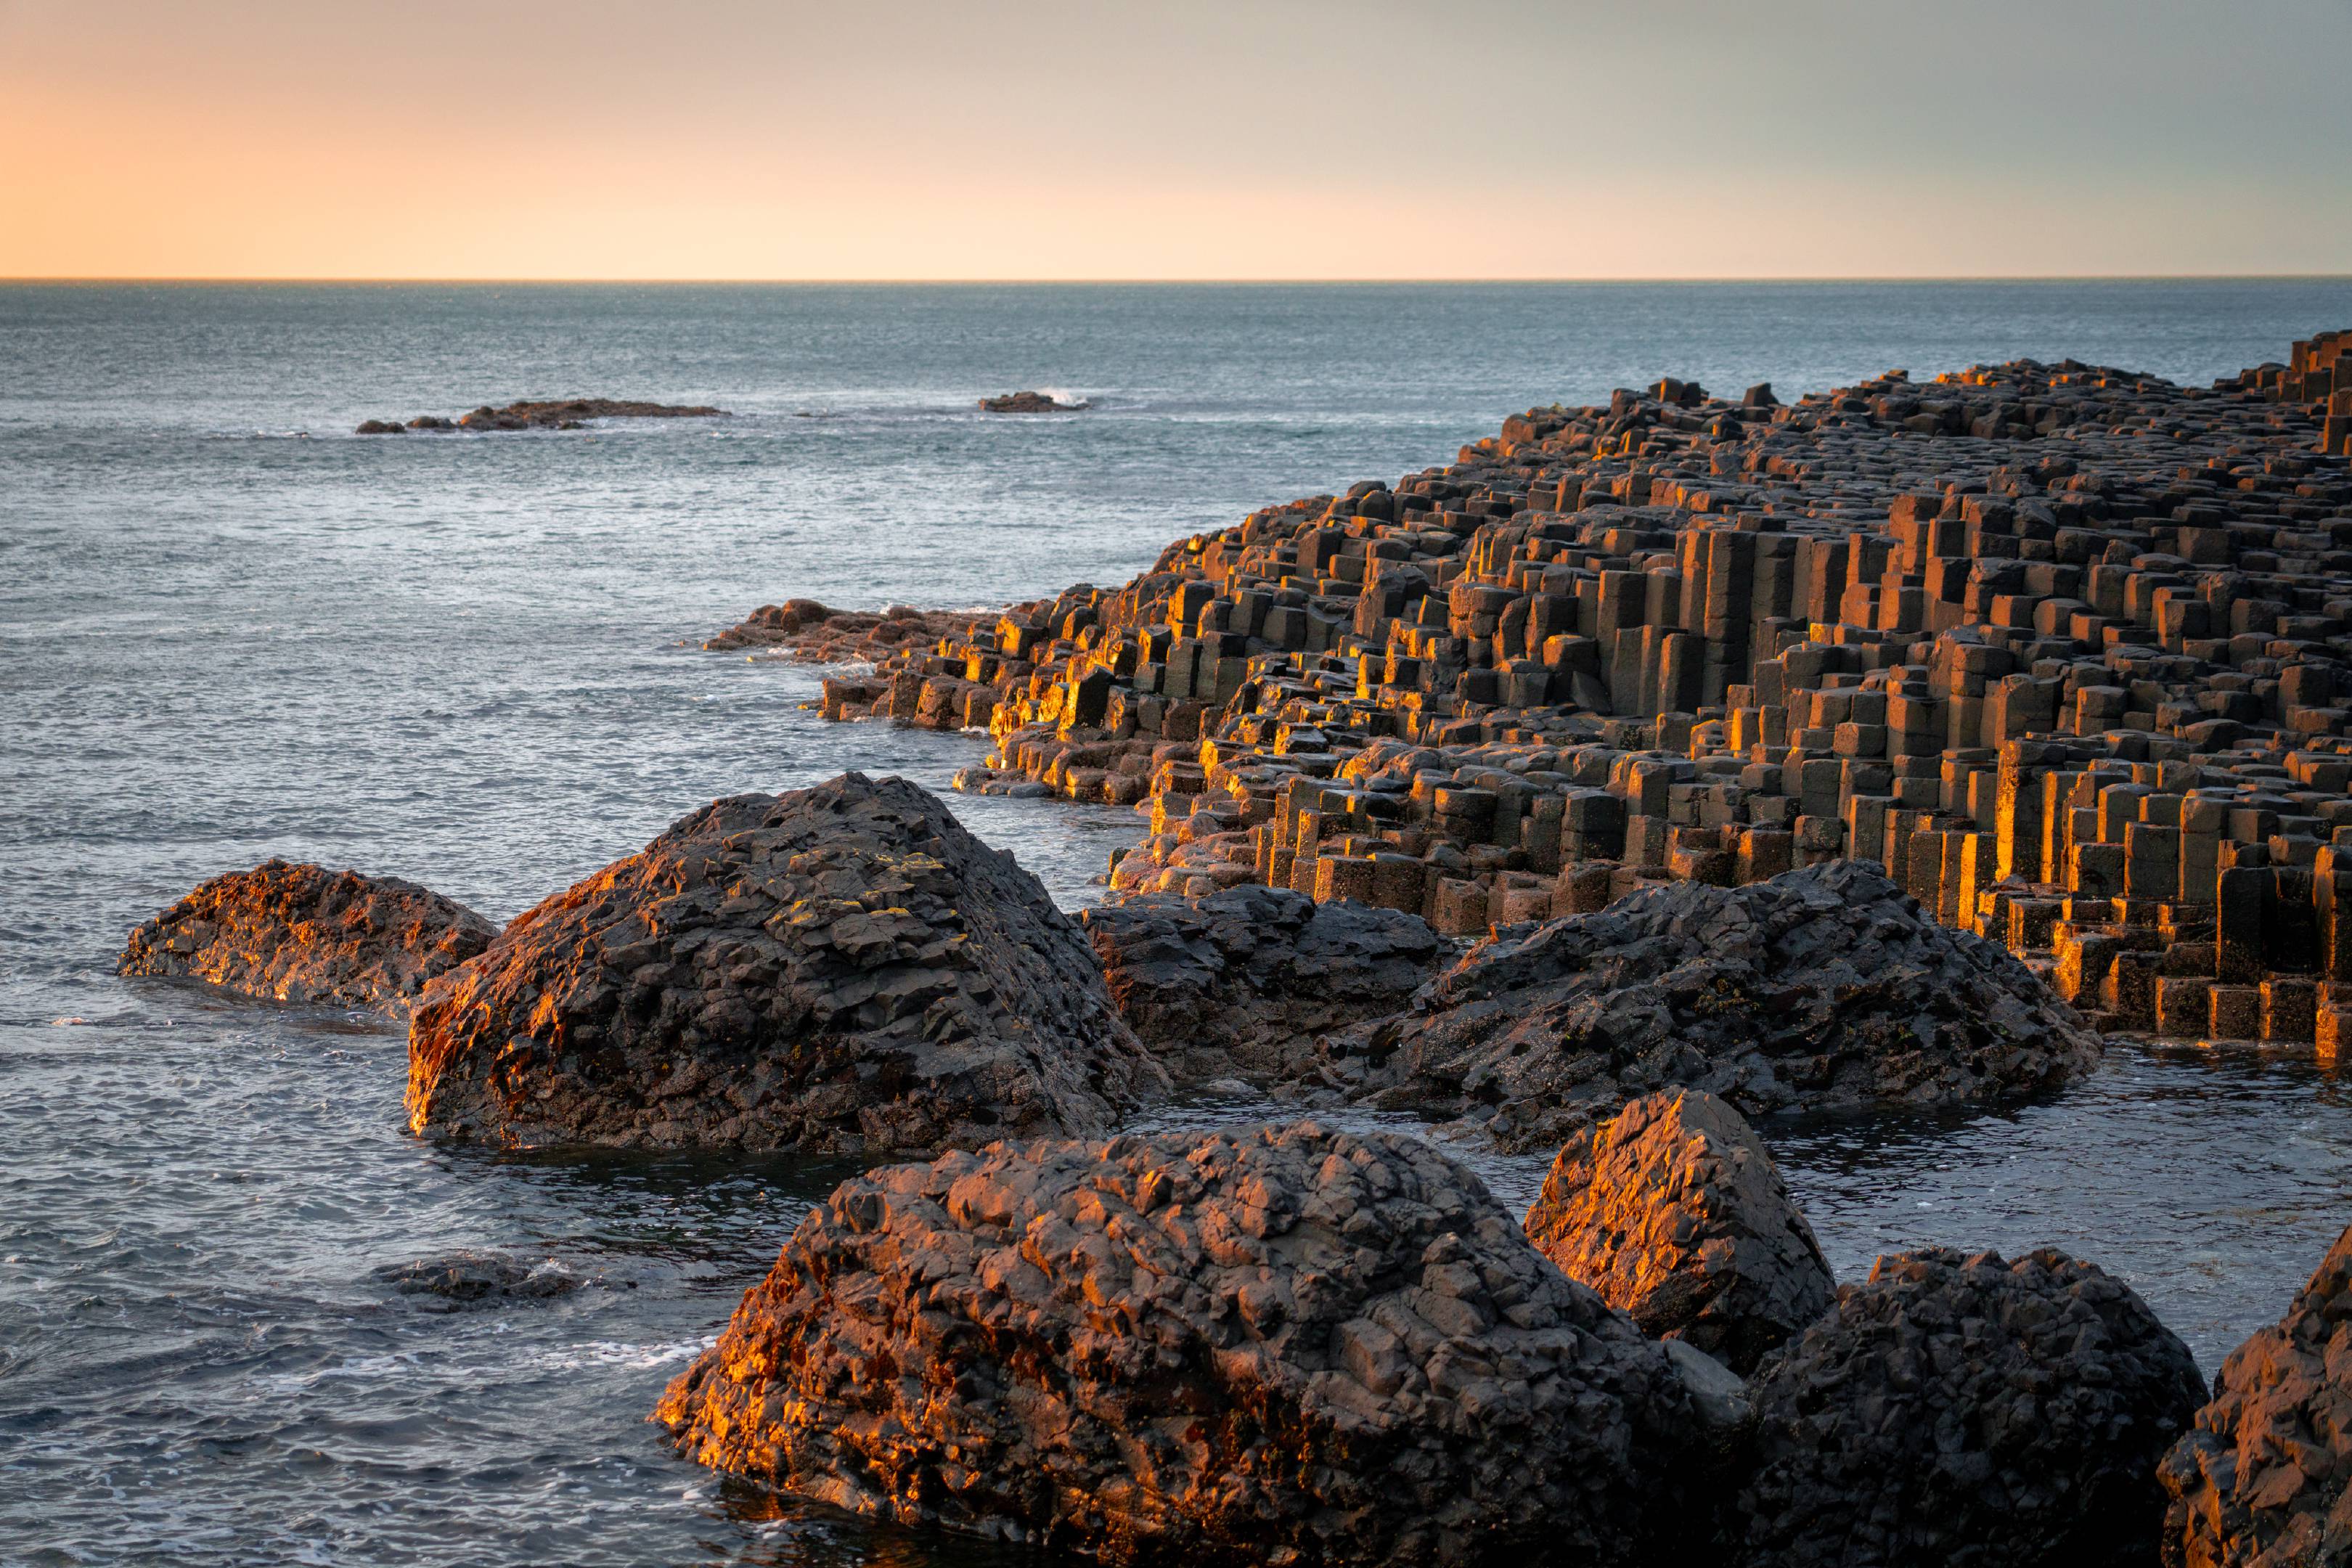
[(230, 629)]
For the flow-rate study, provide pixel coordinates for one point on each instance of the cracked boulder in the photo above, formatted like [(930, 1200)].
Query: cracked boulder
[(836, 970), (1283, 1345)]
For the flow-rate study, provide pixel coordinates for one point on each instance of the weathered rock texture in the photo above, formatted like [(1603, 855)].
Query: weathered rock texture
[(810, 633), (558, 414), (1823, 988), (2261, 1482), (1242, 982), (1969, 1413), (2064, 649), (838, 969), (1675, 1213), (302, 933), (1274, 1346)]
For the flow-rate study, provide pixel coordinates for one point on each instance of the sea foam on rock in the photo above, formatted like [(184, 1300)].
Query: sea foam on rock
[(1675, 1212), (834, 970), (1970, 1413), (1275, 1345), (301, 934), (1824, 988), (1241, 981), (2260, 1482)]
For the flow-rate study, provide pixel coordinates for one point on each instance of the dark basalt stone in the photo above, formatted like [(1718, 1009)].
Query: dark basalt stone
[(1029, 403)]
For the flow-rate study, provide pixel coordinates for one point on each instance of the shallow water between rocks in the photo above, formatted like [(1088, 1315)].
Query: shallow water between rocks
[(471, 661)]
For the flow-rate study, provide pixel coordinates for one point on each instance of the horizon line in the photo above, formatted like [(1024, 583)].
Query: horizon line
[(66, 279)]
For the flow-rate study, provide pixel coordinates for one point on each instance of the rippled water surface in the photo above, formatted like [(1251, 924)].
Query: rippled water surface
[(229, 630)]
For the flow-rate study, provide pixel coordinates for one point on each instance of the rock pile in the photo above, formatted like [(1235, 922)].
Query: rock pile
[(304, 934), (838, 969), (1279, 1346), (1823, 988), (1675, 1213), (812, 633), (560, 414), (1967, 1411), (2262, 1481), (1241, 983), (2060, 648)]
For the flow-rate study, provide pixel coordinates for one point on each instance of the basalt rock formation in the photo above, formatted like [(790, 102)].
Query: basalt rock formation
[(1029, 403), (2262, 1481), (1969, 1413), (2065, 650), (1675, 1213), (1241, 983), (1824, 988), (842, 969), (812, 633), (559, 413), (304, 934), (1284, 1345)]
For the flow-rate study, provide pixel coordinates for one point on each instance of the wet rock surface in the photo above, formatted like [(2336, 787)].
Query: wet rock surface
[(557, 414), (842, 969), (479, 1278), (1285, 1345), (811, 633), (301, 933), (1967, 1411), (1029, 403), (1675, 1212), (1241, 983), (1825, 988), (2260, 1482)]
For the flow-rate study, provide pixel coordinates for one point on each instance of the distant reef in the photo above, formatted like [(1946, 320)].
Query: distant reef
[(1030, 403), (562, 413)]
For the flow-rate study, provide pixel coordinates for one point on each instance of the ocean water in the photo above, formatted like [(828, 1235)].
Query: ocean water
[(229, 628)]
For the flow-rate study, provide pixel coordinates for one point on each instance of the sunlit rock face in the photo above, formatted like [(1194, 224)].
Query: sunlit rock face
[(1972, 1412), (1278, 1345), (835, 970), (1242, 981), (2261, 1480), (1824, 988), (304, 934), (1675, 1213)]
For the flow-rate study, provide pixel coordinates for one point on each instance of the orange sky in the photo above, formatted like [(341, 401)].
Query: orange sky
[(982, 140)]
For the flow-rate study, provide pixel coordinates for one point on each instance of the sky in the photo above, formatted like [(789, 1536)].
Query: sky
[(1194, 138)]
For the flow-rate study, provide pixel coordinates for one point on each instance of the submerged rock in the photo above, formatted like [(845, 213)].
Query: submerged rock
[(841, 969), (301, 934), (470, 1278), (1029, 403), (2260, 1482), (1243, 980), (1824, 988), (558, 414), (1969, 1412), (1677, 1214), (1278, 1345)]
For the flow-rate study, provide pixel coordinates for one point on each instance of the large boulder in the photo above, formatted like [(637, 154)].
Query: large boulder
[(2260, 1482), (1824, 988), (304, 934), (1273, 1345), (839, 969), (1675, 1213), (1242, 980), (1969, 1413)]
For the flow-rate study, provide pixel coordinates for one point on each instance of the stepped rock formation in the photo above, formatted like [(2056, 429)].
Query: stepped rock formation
[(1242, 982), (1969, 1413), (841, 969), (1825, 988), (304, 934), (1280, 1345), (2060, 648), (2261, 1482), (1675, 1213)]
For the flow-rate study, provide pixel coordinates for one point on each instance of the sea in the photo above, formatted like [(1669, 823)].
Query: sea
[(231, 629)]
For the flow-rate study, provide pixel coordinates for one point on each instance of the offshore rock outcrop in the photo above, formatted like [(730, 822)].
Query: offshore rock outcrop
[(1824, 988), (2262, 1481), (1285, 1345), (1675, 1212), (301, 934), (1968, 1412), (1029, 403), (813, 634), (1241, 983), (842, 969), (557, 414)]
